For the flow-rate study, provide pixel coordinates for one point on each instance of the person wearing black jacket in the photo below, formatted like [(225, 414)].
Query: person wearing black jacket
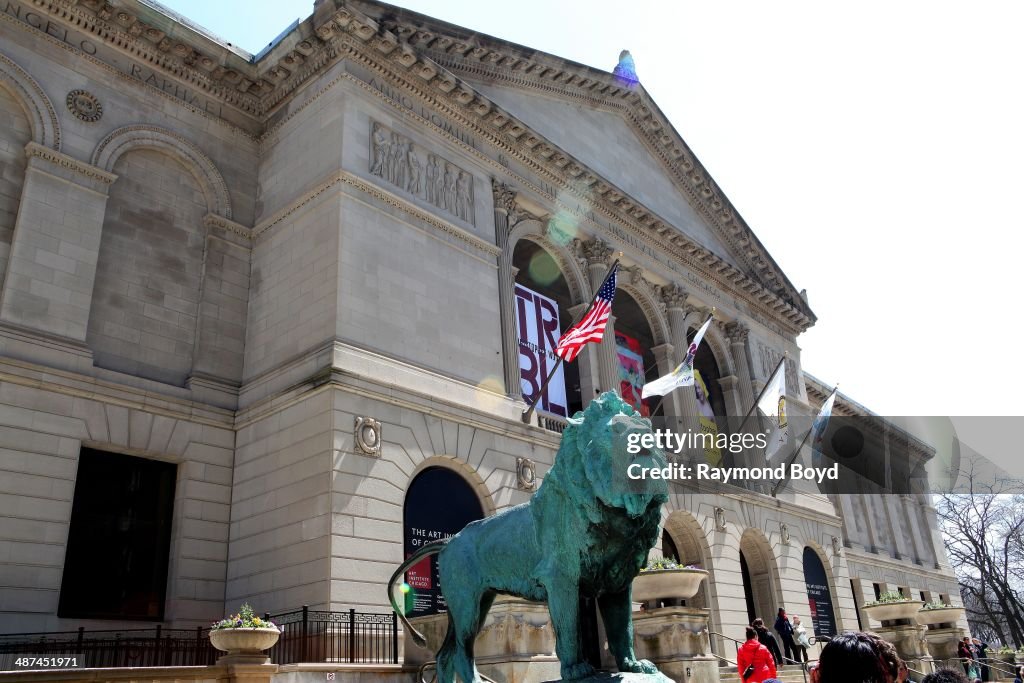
[(785, 631), (768, 640)]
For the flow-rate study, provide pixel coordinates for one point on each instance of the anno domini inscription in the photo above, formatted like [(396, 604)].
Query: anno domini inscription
[(426, 176)]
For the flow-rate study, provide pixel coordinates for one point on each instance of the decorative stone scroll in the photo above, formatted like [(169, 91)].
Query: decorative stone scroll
[(439, 182)]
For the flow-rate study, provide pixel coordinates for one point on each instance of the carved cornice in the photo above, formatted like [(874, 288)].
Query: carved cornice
[(100, 177)]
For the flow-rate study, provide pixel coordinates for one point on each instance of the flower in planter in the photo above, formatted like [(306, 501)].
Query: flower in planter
[(658, 563), (937, 604), (245, 618), (890, 597)]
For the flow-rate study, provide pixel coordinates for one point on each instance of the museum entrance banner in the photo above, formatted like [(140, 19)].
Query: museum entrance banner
[(539, 329), (438, 504), (819, 597)]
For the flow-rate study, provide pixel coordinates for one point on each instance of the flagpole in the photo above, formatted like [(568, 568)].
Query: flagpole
[(528, 413), (782, 482), (761, 395)]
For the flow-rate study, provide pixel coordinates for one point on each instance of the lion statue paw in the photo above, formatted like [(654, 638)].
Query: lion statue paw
[(637, 666), (576, 671)]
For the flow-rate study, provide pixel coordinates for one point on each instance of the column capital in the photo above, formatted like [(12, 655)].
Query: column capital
[(504, 200), (674, 296), (596, 252), (737, 332)]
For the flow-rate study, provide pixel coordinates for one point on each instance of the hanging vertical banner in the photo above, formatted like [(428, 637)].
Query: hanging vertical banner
[(539, 329), (819, 597), (631, 371), (706, 418)]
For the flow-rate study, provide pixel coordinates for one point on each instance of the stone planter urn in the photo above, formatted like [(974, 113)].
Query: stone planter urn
[(667, 584), (940, 615), (244, 645), (891, 611)]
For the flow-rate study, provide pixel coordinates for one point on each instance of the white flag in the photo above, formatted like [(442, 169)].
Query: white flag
[(773, 406), (682, 376)]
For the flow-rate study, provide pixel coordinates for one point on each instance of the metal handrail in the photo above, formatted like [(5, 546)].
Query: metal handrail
[(960, 661)]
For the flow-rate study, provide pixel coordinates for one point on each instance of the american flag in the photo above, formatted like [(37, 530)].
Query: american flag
[(591, 327)]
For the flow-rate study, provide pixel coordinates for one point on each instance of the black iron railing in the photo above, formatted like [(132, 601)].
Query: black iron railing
[(306, 636)]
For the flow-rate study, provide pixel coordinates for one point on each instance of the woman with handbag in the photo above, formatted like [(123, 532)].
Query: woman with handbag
[(754, 662)]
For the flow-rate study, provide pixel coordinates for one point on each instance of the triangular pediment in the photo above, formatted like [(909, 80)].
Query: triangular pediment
[(607, 143)]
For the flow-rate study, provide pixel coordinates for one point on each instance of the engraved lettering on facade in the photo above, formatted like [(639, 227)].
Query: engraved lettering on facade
[(441, 183)]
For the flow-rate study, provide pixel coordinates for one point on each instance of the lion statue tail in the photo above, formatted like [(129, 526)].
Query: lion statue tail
[(432, 548)]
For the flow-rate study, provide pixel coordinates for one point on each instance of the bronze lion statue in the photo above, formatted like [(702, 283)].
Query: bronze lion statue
[(587, 531)]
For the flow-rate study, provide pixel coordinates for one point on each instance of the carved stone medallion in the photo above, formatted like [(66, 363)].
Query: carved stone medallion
[(526, 474), (367, 435), (84, 105)]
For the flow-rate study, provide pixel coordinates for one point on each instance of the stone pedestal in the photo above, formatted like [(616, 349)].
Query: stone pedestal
[(942, 642), (910, 643), (676, 639), (516, 644)]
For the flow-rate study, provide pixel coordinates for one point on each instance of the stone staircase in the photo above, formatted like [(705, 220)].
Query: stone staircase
[(790, 673)]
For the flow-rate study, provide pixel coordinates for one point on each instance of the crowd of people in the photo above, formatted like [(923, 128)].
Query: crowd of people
[(851, 657)]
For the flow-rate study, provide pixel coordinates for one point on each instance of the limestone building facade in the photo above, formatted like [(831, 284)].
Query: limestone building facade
[(291, 278)]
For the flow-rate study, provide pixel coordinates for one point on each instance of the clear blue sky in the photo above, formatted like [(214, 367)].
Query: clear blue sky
[(875, 148)]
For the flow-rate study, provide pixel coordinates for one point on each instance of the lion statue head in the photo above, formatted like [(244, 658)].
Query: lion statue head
[(593, 460)]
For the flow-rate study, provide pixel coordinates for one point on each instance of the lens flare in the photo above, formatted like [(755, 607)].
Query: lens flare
[(543, 269), (563, 228), (405, 588)]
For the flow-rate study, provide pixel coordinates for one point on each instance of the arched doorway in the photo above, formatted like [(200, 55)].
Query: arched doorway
[(543, 301), (683, 539), (634, 342), (760, 576), (438, 504), (819, 594)]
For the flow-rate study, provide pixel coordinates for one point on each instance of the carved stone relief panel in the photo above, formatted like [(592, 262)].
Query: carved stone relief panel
[(422, 174), (769, 358)]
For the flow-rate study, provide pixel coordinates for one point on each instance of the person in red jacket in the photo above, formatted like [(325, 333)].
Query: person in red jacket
[(755, 658)]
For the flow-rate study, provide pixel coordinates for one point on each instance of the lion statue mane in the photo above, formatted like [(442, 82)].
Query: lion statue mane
[(587, 531)]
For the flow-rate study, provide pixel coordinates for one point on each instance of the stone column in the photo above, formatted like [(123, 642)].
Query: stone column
[(598, 254), (739, 334), (52, 264), (664, 355), (504, 217), (674, 297)]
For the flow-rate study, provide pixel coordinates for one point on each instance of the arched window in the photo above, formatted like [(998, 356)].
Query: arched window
[(438, 504)]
